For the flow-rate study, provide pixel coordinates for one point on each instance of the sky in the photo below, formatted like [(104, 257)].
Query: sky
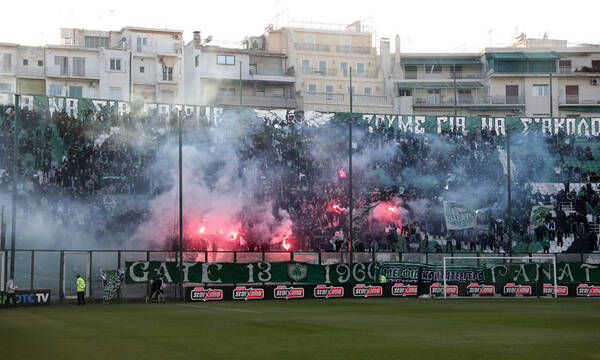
[(423, 26)]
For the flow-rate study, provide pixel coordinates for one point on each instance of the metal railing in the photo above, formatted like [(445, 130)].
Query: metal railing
[(353, 49), (55, 269), (579, 99), (344, 99), (312, 47), (320, 71), (565, 69), (468, 100), (255, 101), (324, 98), (446, 75)]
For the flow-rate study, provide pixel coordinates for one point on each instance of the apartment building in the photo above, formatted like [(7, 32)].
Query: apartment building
[(322, 58), (507, 81), (248, 76), (153, 61)]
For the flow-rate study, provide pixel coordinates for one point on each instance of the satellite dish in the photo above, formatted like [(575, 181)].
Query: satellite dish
[(208, 39)]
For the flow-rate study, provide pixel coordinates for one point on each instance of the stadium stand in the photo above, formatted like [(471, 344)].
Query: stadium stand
[(64, 160)]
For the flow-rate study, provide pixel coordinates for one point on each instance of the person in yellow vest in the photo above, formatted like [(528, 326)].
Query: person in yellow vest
[(382, 279), (80, 290)]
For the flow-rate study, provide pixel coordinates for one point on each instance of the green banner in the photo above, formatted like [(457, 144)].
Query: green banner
[(240, 273), (538, 215), (415, 124), (458, 216), (565, 272)]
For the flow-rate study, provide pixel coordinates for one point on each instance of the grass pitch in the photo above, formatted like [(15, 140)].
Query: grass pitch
[(308, 329)]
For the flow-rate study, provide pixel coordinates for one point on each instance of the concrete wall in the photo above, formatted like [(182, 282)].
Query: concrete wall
[(114, 78)]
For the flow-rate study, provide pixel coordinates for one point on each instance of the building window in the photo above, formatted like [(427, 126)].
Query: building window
[(368, 91), (329, 88), (197, 60), (167, 73), (55, 90), (141, 69), (344, 68), (564, 66), (115, 64), (465, 96), (225, 59), (360, 68), (541, 90), (115, 93), (353, 90), (433, 96), (596, 65), (312, 88), (25, 62), (141, 41), (6, 62), (323, 66), (78, 66), (40, 63), (96, 41), (405, 92), (305, 65), (5, 87), (227, 91), (63, 63), (433, 69), (75, 91)]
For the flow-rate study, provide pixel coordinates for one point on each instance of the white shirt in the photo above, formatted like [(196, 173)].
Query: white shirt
[(10, 286)]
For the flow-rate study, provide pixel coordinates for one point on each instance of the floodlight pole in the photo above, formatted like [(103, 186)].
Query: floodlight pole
[(350, 174), (509, 215), (14, 188), (180, 207), (454, 81)]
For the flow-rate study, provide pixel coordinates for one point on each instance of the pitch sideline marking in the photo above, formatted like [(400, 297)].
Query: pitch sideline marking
[(220, 308)]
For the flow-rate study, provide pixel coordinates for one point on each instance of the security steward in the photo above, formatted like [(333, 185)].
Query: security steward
[(10, 293), (382, 279), (80, 290)]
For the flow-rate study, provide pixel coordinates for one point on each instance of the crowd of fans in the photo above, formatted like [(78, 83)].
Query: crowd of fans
[(72, 166)]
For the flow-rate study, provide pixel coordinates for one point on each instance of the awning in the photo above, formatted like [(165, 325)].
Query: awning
[(582, 108), (440, 61), (523, 56), (439, 84)]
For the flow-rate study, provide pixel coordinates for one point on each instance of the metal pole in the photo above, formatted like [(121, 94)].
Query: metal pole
[(551, 112), (240, 83), (350, 174), (180, 208), (455, 101), (14, 189), (2, 231), (509, 215)]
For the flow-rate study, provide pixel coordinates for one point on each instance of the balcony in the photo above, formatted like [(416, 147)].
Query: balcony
[(344, 99), (312, 47), (565, 69), (321, 72), (434, 100), (579, 100), (258, 101), (353, 49), (340, 73), (443, 75)]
